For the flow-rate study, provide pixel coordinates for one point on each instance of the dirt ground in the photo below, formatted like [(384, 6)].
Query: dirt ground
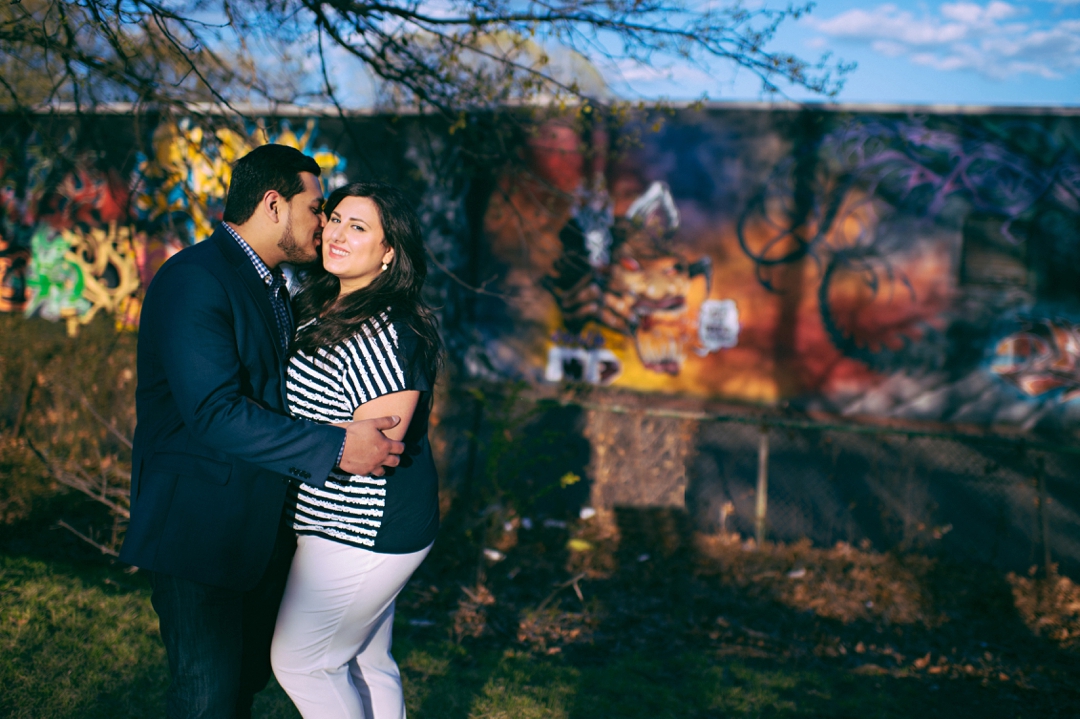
[(633, 581)]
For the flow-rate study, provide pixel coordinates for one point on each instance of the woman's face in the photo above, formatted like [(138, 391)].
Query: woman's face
[(353, 244)]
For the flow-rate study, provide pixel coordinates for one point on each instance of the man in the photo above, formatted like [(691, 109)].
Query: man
[(213, 446)]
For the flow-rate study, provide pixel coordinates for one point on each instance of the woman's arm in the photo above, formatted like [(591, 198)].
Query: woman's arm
[(402, 404)]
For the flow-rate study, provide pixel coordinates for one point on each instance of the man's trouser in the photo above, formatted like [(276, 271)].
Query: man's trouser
[(218, 640)]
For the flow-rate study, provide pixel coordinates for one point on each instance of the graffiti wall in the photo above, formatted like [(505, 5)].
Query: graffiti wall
[(81, 234), (922, 267), (890, 265)]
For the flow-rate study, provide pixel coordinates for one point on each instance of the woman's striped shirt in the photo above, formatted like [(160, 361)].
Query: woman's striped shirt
[(394, 514)]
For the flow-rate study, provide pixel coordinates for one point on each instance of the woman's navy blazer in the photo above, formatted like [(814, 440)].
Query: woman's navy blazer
[(213, 444)]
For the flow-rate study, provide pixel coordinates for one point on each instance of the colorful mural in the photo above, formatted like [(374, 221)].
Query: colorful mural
[(77, 239), (1043, 357), (856, 264), (183, 182), (907, 265), (63, 253), (13, 261)]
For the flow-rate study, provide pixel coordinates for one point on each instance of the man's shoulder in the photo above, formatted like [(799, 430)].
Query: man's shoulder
[(203, 259), (205, 253)]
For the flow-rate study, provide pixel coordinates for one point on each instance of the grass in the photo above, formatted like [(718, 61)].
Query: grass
[(649, 639), (76, 642)]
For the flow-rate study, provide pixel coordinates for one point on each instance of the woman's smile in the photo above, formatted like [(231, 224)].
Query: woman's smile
[(354, 243)]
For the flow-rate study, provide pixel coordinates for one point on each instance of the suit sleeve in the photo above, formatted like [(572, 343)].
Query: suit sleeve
[(195, 339)]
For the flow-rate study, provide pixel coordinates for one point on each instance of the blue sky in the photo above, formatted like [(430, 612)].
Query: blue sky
[(971, 53)]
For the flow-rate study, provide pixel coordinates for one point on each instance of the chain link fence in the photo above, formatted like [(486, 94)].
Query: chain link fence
[(1010, 502), (995, 500)]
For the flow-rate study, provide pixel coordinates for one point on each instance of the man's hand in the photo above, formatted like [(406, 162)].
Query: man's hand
[(367, 449)]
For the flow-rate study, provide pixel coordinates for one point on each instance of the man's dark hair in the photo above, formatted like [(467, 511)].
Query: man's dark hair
[(268, 167)]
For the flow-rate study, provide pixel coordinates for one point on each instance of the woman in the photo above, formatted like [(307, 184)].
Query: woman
[(366, 347)]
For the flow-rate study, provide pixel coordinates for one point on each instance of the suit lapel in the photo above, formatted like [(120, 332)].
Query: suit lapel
[(254, 284)]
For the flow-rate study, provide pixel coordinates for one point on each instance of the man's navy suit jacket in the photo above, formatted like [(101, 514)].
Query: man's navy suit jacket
[(213, 446)]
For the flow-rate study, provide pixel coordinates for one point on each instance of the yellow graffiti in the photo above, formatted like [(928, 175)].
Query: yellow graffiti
[(74, 274), (193, 175), (94, 252), (195, 171), (327, 161)]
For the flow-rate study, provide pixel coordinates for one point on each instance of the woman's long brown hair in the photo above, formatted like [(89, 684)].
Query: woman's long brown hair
[(399, 287)]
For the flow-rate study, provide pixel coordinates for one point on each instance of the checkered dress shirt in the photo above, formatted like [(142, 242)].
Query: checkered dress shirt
[(275, 284)]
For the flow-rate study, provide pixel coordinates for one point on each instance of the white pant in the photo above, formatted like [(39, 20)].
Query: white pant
[(331, 650)]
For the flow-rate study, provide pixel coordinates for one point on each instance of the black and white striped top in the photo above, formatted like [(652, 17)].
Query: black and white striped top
[(394, 514)]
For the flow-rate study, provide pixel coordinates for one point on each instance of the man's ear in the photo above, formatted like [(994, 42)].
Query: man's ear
[(272, 204)]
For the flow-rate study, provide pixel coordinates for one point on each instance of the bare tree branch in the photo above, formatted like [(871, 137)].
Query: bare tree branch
[(481, 290), (100, 547), (80, 481), (478, 54), (95, 414)]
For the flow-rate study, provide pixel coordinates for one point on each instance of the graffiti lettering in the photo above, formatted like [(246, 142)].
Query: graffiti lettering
[(75, 274), (77, 242)]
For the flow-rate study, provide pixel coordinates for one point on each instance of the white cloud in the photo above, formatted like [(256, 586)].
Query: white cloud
[(996, 39), (888, 48), (974, 14), (666, 77), (631, 71), (890, 23)]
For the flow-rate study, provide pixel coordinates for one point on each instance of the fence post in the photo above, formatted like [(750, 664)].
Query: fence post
[(473, 448), (1044, 532), (762, 504)]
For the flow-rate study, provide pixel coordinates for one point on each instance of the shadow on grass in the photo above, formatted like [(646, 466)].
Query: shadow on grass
[(777, 659), (667, 639), (675, 642)]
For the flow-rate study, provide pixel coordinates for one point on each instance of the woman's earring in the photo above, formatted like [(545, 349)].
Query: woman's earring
[(385, 267)]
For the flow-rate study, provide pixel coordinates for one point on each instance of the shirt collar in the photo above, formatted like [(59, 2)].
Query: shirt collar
[(265, 272)]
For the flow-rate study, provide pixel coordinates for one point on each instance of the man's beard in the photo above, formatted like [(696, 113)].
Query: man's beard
[(294, 253)]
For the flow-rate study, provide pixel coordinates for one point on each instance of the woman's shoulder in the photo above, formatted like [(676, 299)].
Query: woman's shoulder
[(385, 328), (379, 324), (386, 350)]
